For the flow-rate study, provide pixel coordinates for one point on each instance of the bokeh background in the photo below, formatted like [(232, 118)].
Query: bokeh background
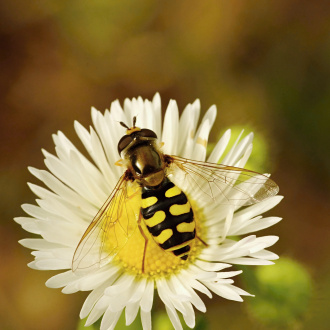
[(265, 64)]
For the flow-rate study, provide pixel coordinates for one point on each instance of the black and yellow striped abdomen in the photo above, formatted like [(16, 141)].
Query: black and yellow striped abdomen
[(169, 218)]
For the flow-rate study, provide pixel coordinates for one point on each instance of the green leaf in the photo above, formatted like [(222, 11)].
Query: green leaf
[(283, 292)]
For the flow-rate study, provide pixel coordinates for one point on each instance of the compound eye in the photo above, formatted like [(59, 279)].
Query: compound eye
[(136, 167), (148, 133), (124, 142)]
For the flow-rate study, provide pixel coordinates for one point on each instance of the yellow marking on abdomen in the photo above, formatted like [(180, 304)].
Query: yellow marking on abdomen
[(146, 202), (178, 209), (164, 236), (174, 191), (177, 247), (157, 218), (185, 227)]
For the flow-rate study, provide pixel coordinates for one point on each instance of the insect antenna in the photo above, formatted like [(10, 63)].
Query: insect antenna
[(123, 124)]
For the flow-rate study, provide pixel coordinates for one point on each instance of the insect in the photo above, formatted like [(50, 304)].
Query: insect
[(162, 182)]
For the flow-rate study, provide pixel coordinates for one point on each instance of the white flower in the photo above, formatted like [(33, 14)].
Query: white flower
[(77, 188)]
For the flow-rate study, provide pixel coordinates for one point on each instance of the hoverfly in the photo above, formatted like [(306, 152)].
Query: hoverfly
[(162, 182)]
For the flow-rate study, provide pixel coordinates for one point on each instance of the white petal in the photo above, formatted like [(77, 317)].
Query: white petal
[(94, 147), (93, 298), (97, 278), (62, 233), (259, 224), (139, 290), (146, 320), (238, 149), (268, 240), (228, 274), (62, 190), (118, 113), (168, 298), (67, 175), (187, 129), (147, 298), (129, 111), (157, 107), (211, 267), (249, 261), (170, 129), (228, 222), (38, 244), (245, 157), (209, 116), (120, 286), (50, 264), (219, 148), (60, 280), (28, 224), (259, 208), (189, 316), (35, 211), (109, 320), (97, 190), (224, 291), (199, 151), (180, 281), (109, 138), (173, 317), (131, 312), (264, 254), (191, 281), (95, 314), (53, 204), (240, 291), (65, 149), (145, 118)]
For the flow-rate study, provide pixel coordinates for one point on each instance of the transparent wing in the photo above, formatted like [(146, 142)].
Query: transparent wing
[(221, 183), (110, 229)]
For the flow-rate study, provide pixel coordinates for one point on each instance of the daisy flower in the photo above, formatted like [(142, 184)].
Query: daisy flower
[(126, 281)]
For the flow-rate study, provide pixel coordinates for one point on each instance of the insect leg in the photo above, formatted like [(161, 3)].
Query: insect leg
[(119, 163), (202, 241), (146, 241)]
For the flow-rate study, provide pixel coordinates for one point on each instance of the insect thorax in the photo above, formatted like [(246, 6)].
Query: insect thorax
[(145, 162), (169, 217)]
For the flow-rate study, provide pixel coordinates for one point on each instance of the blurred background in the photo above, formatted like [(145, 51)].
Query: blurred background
[(266, 65)]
